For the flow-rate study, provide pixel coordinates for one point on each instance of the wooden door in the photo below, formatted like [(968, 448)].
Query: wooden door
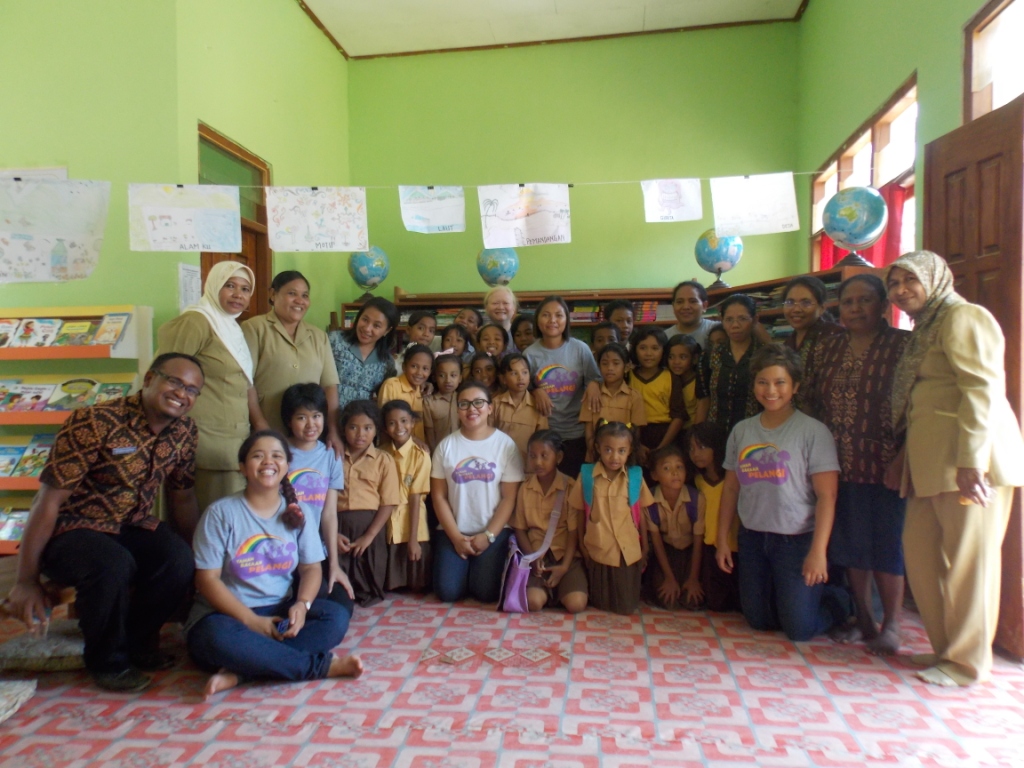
[(257, 257), (974, 213)]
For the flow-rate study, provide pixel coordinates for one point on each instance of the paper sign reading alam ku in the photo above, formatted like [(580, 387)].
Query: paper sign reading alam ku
[(184, 218), (325, 219), (514, 215), (754, 205)]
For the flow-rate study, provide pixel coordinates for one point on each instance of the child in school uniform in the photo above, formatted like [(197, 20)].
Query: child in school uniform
[(651, 378), (619, 401), (494, 340), (620, 314), (559, 574), (364, 507), (407, 534), (603, 334), (676, 533), (484, 369), (705, 446), (440, 410), (422, 329), (458, 341), (609, 498), (515, 412), (408, 386), (687, 402), (522, 331)]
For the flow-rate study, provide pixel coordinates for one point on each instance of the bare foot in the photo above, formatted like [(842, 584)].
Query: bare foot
[(222, 681), (886, 644), (347, 666)]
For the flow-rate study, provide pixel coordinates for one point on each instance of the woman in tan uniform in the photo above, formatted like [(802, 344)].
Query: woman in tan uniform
[(962, 458), (209, 332)]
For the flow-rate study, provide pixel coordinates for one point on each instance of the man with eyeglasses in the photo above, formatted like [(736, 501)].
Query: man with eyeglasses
[(92, 525)]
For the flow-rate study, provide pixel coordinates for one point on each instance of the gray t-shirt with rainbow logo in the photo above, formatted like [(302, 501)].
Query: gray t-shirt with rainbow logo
[(564, 374)]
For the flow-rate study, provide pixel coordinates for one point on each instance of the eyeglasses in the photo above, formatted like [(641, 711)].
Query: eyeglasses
[(802, 303), (739, 320), (465, 405), (179, 385)]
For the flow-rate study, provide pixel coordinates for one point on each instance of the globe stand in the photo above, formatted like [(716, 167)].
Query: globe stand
[(719, 283), (363, 299), (853, 259)]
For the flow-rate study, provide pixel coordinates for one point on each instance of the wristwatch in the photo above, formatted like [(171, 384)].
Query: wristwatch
[(490, 536)]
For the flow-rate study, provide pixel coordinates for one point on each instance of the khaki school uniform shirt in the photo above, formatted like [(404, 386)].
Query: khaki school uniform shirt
[(412, 464), (533, 513), (441, 417), (518, 421), (674, 524), (610, 533), (370, 483), (400, 388), (625, 404), (281, 362)]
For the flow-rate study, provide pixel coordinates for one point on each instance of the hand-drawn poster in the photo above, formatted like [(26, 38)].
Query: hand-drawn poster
[(754, 205), (317, 219), (190, 217), (672, 200), (433, 209), (51, 231), (514, 215)]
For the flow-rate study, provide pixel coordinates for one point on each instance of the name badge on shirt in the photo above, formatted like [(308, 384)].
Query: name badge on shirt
[(124, 450)]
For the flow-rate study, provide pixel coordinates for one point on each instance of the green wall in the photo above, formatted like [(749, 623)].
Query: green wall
[(711, 103)]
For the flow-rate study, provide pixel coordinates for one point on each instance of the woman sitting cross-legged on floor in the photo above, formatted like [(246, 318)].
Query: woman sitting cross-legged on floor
[(246, 622)]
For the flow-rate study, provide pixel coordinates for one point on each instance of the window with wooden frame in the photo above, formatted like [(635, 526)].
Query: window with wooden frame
[(880, 153), (993, 57), (222, 161)]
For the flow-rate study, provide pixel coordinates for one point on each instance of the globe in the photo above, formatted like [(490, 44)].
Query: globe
[(718, 254), (497, 266), (368, 268), (855, 217)]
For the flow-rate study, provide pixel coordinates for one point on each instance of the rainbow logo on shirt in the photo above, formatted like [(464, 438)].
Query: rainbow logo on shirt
[(474, 468), (263, 554), (310, 488), (557, 380), (762, 462)]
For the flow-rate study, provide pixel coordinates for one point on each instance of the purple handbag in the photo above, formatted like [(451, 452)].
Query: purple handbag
[(518, 565)]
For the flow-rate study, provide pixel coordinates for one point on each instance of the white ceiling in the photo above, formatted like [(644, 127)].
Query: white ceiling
[(381, 27)]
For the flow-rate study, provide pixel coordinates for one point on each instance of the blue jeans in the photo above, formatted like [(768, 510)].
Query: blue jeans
[(219, 641), (772, 590), (479, 576)]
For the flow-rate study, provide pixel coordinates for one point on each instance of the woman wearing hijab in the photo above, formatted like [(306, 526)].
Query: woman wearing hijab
[(961, 461), (209, 332)]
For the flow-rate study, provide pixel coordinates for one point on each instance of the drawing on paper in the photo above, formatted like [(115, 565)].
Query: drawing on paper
[(431, 210), (193, 217), (51, 230), (754, 205), (317, 219), (532, 214), (672, 200)]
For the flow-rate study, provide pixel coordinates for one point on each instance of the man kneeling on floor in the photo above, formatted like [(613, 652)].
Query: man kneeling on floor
[(92, 525)]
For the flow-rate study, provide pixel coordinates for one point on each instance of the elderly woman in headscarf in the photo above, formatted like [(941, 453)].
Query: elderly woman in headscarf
[(209, 332), (962, 458)]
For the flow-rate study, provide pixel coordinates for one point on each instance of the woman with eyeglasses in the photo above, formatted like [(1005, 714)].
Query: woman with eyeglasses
[(847, 385), (727, 367), (803, 305), (474, 478)]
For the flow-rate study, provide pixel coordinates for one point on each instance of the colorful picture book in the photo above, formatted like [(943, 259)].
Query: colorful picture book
[(27, 397), (76, 333), (10, 455), (38, 451), (73, 394), (36, 332), (5, 387), (109, 392), (8, 328), (12, 523), (111, 328)]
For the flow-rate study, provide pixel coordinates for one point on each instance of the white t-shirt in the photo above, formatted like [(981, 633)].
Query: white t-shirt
[(700, 335), (474, 471)]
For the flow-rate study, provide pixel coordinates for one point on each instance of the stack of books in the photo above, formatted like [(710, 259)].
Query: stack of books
[(644, 312), (585, 313)]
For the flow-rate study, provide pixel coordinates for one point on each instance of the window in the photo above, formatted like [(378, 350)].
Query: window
[(994, 57), (881, 152)]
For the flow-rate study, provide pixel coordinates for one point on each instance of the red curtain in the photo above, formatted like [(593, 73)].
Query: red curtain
[(887, 249)]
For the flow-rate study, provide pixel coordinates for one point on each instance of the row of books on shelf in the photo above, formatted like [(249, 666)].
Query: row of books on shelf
[(54, 332), (26, 460), (69, 395)]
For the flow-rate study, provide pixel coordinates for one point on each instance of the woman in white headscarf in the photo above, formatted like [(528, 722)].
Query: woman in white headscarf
[(962, 458), (209, 332)]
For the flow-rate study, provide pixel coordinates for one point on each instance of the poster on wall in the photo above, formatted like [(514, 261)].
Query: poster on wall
[(672, 200), (431, 210), (51, 230), (190, 285), (184, 217), (302, 219), (516, 215), (754, 205)]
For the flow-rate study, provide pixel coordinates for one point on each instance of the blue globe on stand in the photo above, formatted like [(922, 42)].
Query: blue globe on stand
[(497, 266), (717, 255), (368, 269), (855, 218)]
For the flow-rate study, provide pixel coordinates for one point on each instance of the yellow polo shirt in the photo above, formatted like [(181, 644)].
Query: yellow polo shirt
[(412, 464)]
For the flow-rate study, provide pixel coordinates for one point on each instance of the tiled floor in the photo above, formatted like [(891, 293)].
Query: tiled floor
[(465, 687)]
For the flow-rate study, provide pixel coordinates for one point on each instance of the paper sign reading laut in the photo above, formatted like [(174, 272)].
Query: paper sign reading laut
[(430, 210), (754, 205)]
